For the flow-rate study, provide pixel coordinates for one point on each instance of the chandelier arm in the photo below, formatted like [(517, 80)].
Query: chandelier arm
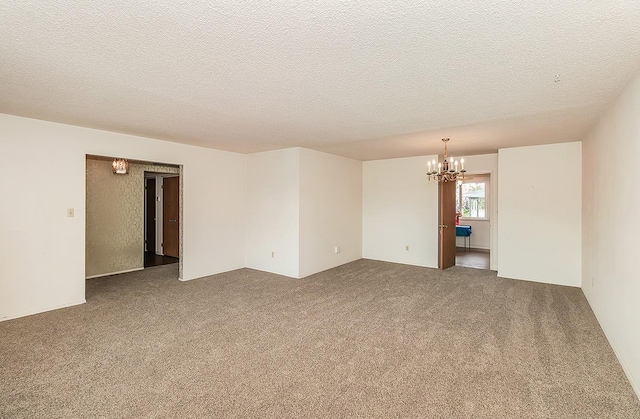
[(447, 171)]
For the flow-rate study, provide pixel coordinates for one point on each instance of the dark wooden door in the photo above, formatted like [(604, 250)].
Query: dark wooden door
[(171, 216), (150, 215), (447, 224)]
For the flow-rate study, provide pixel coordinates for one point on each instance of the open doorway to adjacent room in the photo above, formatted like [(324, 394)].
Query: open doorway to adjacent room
[(473, 221), (161, 215), (120, 213)]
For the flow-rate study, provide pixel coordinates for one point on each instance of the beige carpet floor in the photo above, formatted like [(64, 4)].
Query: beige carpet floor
[(367, 339)]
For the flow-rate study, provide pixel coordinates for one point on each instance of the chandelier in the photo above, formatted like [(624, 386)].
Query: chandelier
[(447, 171), (120, 166)]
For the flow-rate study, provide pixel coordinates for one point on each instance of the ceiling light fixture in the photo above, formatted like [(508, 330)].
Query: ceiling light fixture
[(447, 171), (120, 166)]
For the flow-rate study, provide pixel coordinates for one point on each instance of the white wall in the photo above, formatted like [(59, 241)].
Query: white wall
[(214, 189), (611, 198), (42, 261), (539, 238), (480, 234), (400, 208), (273, 212), (330, 211), (301, 204)]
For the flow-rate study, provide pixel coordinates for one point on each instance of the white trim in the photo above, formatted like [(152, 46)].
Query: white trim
[(43, 310), (491, 201), (114, 273), (145, 210), (483, 178), (157, 247), (473, 247), (521, 278)]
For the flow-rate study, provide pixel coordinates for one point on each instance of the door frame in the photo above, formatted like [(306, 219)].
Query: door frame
[(149, 162), (159, 177), (493, 215), (148, 247), (160, 207)]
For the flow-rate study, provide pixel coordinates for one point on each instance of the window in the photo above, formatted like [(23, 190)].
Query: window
[(471, 199)]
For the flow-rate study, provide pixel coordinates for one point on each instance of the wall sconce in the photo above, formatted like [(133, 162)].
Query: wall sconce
[(120, 166)]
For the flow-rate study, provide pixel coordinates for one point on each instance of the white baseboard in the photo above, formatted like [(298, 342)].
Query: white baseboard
[(521, 278), (113, 273), (43, 310), (474, 248)]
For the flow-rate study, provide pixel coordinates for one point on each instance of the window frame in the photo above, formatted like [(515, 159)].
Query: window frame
[(486, 181)]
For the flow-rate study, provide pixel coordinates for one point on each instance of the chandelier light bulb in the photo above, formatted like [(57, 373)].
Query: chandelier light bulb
[(120, 166), (449, 170)]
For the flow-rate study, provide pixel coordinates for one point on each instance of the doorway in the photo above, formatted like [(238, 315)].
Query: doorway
[(473, 221), (115, 229), (162, 215)]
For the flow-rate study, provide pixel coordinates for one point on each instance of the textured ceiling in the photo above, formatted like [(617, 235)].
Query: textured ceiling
[(362, 79)]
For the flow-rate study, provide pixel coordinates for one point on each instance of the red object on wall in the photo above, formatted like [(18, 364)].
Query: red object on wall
[(458, 219)]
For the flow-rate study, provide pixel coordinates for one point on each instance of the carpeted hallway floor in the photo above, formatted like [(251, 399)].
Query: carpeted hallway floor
[(367, 339)]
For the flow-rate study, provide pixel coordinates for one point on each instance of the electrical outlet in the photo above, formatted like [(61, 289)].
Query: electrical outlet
[(273, 254), (406, 247), (337, 249)]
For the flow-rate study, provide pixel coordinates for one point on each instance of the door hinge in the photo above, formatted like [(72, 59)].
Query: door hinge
[(161, 244)]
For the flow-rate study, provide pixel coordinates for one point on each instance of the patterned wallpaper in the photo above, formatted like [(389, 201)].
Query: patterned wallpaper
[(115, 217)]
